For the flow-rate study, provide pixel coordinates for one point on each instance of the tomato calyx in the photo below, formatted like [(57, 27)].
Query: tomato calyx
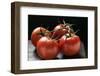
[(43, 33), (71, 33)]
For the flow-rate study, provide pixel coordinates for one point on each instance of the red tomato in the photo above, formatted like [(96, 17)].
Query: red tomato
[(37, 33), (59, 31), (47, 48), (70, 46)]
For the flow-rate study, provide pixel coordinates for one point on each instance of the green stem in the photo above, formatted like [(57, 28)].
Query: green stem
[(64, 22)]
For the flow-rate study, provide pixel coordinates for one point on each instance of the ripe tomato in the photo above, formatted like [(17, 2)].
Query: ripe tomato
[(70, 46), (59, 31), (47, 48), (37, 33)]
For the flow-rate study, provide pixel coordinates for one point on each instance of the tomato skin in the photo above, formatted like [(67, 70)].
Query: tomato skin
[(61, 42), (47, 48), (36, 34), (70, 46), (59, 31)]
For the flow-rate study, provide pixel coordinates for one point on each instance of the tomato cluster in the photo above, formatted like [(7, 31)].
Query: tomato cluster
[(62, 39)]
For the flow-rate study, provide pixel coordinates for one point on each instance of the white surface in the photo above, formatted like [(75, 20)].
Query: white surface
[(25, 11), (5, 50)]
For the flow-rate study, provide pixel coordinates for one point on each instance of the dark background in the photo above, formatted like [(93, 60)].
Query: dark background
[(50, 22)]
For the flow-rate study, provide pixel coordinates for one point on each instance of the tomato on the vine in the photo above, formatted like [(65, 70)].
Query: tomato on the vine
[(37, 33), (70, 45), (47, 48), (61, 39)]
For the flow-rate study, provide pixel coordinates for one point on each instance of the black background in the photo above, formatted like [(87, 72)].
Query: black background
[(50, 22)]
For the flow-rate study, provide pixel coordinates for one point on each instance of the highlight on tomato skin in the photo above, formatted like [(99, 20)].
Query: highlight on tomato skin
[(37, 33), (70, 46), (47, 48)]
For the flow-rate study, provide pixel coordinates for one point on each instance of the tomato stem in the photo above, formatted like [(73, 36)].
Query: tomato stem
[(77, 31), (57, 37), (52, 35), (64, 22)]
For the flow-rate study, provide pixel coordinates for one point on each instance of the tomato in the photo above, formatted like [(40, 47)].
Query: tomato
[(47, 48), (37, 33), (60, 30), (70, 45)]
